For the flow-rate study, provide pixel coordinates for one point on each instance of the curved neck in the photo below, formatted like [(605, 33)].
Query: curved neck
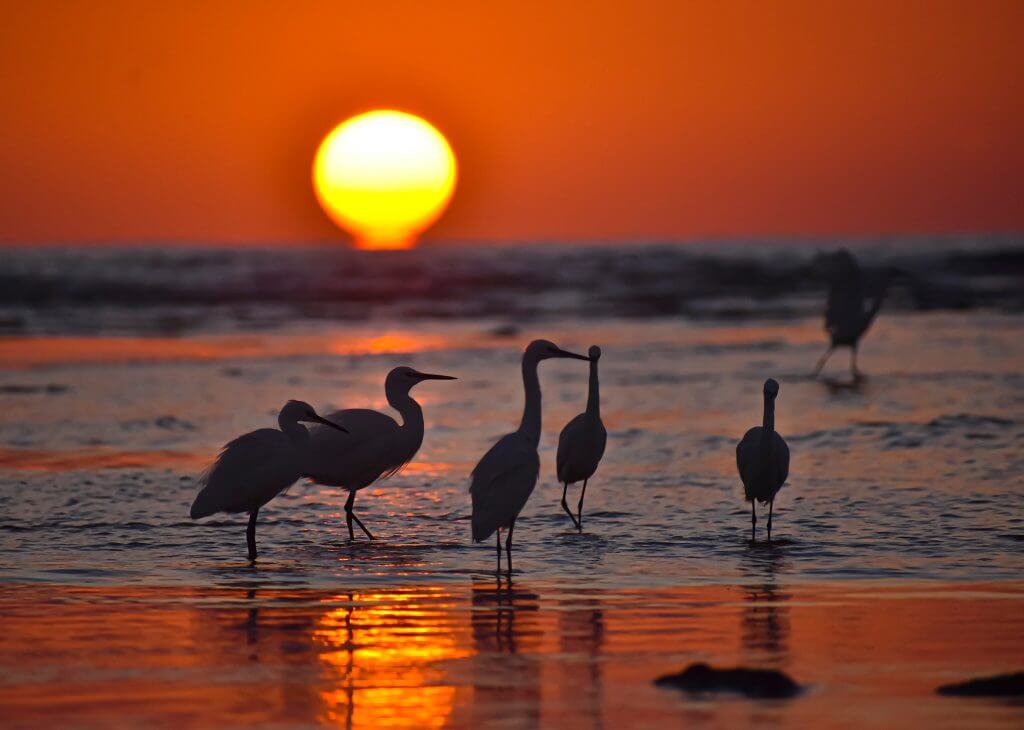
[(530, 425), (594, 394), (295, 431), (768, 423), (410, 410)]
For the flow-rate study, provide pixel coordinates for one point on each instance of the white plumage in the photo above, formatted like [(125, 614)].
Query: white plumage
[(581, 444), (376, 446), (257, 466), (762, 458), (506, 475)]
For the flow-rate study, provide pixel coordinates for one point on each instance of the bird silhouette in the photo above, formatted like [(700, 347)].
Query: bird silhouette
[(846, 317), (762, 458), (377, 446), (257, 466), (506, 475), (581, 444)]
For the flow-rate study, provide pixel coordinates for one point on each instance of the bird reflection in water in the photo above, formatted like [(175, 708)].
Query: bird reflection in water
[(764, 618), (581, 636)]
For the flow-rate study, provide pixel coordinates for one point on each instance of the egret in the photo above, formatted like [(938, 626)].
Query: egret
[(257, 466), (581, 443), (506, 475), (846, 318), (377, 446), (762, 458)]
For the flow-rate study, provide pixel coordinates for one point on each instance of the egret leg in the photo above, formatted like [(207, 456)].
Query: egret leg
[(350, 516), (250, 534), (579, 508), (853, 363), (771, 504), (822, 360), (753, 521), (508, 545), (565, 506)]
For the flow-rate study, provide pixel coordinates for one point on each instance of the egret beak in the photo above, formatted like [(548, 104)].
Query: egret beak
[(332, 424), (565, 353), (430, 376)]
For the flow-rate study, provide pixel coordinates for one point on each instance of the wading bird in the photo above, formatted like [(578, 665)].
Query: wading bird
[(376, 447), (257, 466), (506, 475), (763, 460), (581, 444), (846, 317)]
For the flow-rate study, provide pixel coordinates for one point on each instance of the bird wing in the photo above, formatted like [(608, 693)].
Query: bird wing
[(580, 448), (369, 451), (782, 459), (248, 473), (746, 455), (502, 483), (567, 440)]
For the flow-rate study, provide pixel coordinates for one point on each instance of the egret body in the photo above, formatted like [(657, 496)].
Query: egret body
[(762, 458), (376, 446), (506, 475), (257, 466), (581, 444)]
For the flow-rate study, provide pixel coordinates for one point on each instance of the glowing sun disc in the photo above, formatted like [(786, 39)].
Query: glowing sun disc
[(384, 176)]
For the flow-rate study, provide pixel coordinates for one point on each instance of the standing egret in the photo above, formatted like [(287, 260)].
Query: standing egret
[(846, 318), (763, 460), (257, 466), (377, 446), (506, 475), (581, 443)]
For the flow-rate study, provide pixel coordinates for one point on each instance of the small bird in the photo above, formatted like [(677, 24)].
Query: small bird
[(377, 446), (846, 318), (762, 458), (506, 475), (581, 443), (257, 466)]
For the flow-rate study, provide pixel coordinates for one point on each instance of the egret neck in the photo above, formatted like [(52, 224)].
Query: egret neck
[(297, 434), (530, 425), (768, 429), (408, 408), (594, 394)]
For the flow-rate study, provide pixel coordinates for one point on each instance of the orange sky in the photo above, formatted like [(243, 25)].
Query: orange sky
[(198, 121)]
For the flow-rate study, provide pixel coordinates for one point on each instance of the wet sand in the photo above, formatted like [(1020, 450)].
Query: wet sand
[(487, 654)]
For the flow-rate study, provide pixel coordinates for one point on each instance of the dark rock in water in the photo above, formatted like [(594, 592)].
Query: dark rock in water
[(760, 683), (1001, 685)]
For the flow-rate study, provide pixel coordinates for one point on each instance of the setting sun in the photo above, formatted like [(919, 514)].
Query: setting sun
[(384, 176)]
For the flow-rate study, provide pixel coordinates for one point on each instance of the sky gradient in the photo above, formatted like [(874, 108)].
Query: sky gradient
[(199, 121)]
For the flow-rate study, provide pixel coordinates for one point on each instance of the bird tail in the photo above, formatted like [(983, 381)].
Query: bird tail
[(876, 305), (204, 504)]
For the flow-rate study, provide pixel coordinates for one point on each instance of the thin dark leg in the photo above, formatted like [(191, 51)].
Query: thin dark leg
[(822, 360), (497, 536), (508, 545), (753, 521), (250, 533), (350, 516), (770, 506), (853, 363), (565, 506), (579, 508)]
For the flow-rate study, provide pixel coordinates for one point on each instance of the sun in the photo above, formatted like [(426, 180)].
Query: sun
[(385, 177)]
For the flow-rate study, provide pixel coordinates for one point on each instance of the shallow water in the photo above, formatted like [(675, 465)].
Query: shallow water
[(899, 535)]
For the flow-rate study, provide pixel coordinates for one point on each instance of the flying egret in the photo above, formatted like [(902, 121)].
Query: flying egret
[(376, 447), (581, 443), (846, 318), (506, 475), (763, 460), (257, 466)]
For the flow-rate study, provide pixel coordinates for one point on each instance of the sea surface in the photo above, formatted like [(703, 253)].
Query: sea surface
[(897, 565)]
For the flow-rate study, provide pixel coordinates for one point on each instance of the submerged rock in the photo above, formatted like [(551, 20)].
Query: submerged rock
[(760, 683), (1000, 685)]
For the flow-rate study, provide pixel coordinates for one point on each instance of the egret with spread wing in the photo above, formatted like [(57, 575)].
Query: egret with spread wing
[(581, 444), (762, 458), (506, 475), (377, 446), (258, 466)]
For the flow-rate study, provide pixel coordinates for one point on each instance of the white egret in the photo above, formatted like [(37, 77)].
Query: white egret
[(257, 466), (376, 447), (581, 443), (506, 475), (846, 318), (763, 460)]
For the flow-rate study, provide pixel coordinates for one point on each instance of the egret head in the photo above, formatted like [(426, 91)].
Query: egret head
[(297, 411), (543, 349), (595, 353), (771, 388), (402, 379)]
